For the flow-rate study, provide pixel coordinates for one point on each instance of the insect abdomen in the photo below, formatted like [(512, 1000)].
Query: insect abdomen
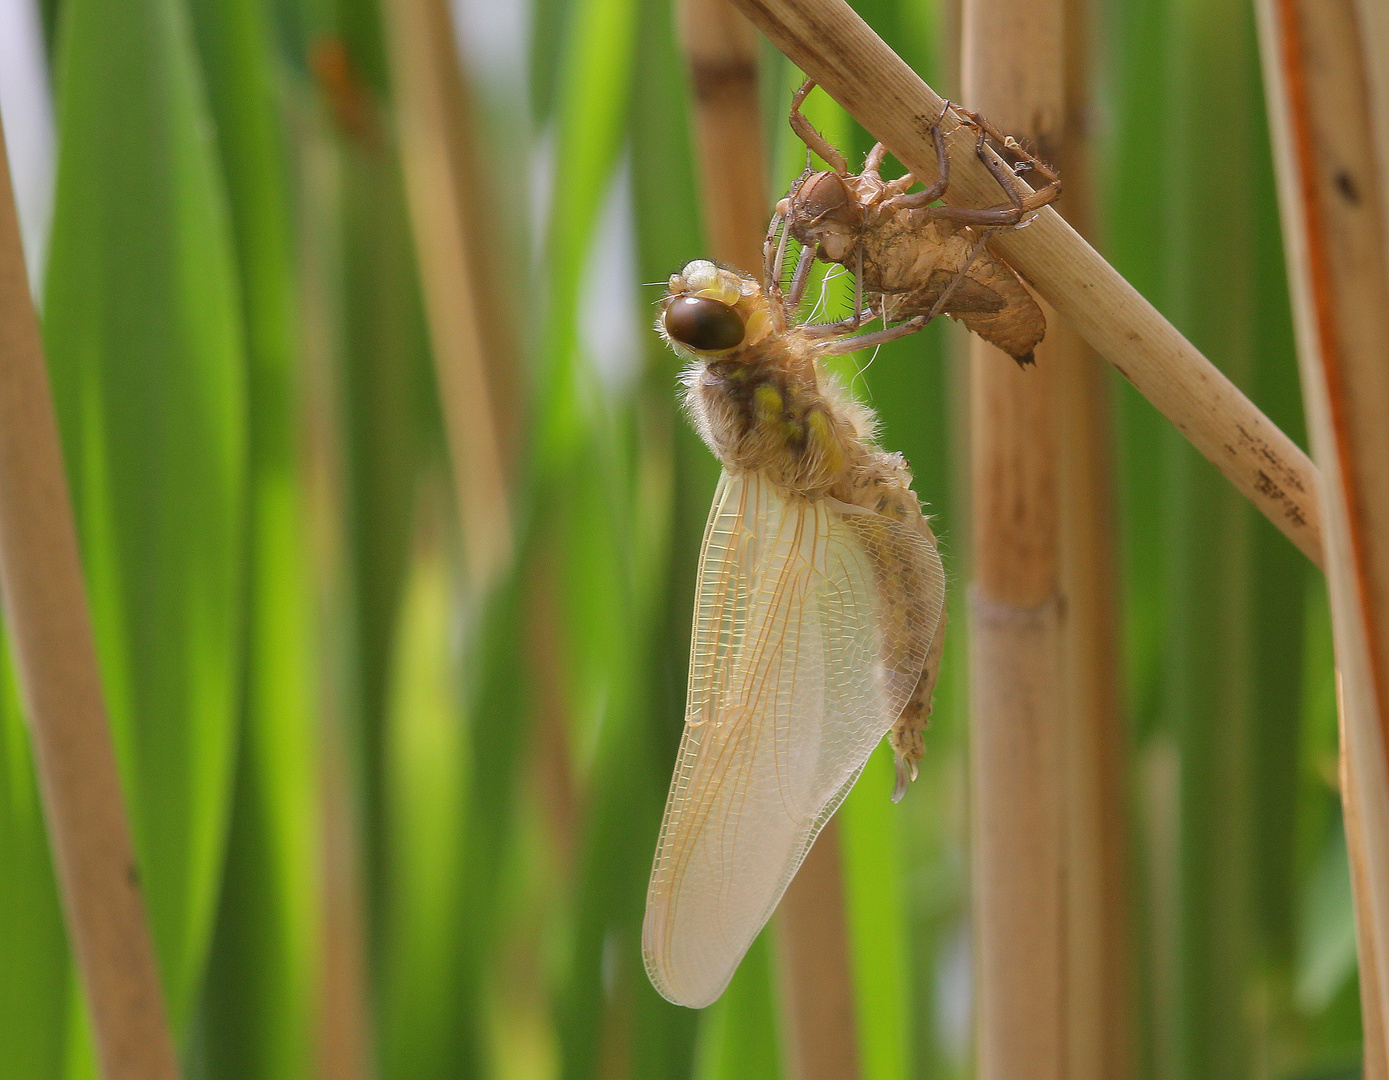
[(908, 588)]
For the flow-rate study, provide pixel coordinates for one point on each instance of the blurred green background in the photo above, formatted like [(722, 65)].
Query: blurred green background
[(395, 817)]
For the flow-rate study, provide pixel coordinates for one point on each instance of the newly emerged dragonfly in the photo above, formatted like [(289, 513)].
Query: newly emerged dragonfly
[(912, 259), (817, 630)]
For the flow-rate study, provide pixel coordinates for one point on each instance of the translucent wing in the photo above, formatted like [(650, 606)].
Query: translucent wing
[(806, 647)]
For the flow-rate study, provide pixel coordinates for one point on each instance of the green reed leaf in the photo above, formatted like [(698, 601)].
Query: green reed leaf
[(146, 351)]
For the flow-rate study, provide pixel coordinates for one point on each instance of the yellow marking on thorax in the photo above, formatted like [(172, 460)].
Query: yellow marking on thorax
[(767, 404), (820, 435)]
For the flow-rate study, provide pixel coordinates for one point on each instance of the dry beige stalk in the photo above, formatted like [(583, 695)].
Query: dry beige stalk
[(1374, 48), (1376, 1055), (720, 49), (812, 930), (820, 1029), (343, 1035), (1047, 760), (343, 1042), (832, 45), (1099, 1019), (1011, 61), (51, 636), (1336, 231)]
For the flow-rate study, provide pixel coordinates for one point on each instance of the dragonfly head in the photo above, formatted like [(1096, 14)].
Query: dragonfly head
[(825, 213), (710, 309)]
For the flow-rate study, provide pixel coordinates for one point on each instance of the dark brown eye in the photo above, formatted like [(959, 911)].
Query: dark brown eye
[(703, 323)]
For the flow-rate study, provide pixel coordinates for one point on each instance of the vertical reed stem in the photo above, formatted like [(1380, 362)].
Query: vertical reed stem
[(55, 657), (1332, 193), (816, 983), (345, 1032), (1374, 46), (1012, 71), (721, 47), (1047, 772)]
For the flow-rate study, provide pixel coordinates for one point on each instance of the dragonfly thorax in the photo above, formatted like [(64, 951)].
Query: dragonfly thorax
[(764, 409)]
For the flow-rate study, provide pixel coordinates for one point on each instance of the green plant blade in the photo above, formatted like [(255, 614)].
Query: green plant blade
[(145, 348), (426, 771), (34, 969), (875, 902), (258, 1012)]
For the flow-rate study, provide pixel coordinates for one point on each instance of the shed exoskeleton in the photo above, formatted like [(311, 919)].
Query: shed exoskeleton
[(912, 259)]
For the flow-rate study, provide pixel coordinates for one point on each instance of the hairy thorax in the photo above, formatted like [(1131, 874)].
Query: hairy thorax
[(774, 410), (764, 409)]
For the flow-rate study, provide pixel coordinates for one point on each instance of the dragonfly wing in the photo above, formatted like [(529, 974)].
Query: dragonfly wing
[(801, 661)]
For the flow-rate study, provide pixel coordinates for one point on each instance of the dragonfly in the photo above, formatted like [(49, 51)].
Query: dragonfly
[(818, 621), (910, 257)]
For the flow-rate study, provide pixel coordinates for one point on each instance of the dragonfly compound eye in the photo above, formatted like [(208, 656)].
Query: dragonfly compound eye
[(703, 323)]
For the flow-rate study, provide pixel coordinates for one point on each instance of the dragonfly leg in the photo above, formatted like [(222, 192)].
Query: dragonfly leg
[(853, 342), (1021, 201), (874, 161), (812, 138), (773, 256), (800, 277), (897, 190), (835, 329), (858, 287), (878, 337), (900, 186), (1043, 194)]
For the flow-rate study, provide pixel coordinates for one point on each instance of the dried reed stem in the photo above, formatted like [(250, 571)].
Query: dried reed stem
[(51, 636), (344, 1037), (720, 48), (1374, 41), (812, 930), (1098, 959), (1011, 66), (817, 992), (1332, 195), (829, 42), (1375, 1062), (437, 144), (1048, 773)]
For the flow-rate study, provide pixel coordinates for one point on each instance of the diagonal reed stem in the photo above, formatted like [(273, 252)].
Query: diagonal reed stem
[(831, 44), (1332, 190), (55, 656)]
